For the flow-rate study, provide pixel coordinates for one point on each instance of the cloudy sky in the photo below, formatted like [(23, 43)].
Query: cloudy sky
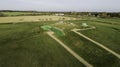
[(61, 5)]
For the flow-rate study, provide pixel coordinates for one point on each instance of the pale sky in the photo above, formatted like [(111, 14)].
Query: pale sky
[(61, 5)]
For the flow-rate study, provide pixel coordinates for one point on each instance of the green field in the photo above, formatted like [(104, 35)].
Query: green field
[(111, 40), (15, 13), (22, 13), (26, 44), (105, 34)]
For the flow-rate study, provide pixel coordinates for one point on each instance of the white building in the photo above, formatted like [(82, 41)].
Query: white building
[(60, 14)]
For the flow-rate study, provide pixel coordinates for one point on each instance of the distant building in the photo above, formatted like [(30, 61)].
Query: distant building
[(60, 14)]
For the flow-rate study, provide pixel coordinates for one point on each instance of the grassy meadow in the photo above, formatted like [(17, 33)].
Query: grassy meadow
[(26, 44), (104, 33)]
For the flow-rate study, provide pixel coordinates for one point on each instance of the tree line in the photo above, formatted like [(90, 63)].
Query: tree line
[(96, 14), (76, 14)]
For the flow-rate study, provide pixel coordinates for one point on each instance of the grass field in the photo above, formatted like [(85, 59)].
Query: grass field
[(22, 13), (32, 18), (107, 34), (110, 40), (26, 44), (16, 13), (89, 51)]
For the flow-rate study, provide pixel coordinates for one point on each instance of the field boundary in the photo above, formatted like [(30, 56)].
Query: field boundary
[(79, 58), (95, 42)]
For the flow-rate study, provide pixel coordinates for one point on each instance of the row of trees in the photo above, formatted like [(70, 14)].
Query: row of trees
[(96, 14), (77, 14)]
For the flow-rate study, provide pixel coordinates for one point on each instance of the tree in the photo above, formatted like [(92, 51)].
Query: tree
[(103, 15)]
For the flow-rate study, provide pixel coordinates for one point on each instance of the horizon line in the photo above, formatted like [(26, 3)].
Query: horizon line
[(58, 11)]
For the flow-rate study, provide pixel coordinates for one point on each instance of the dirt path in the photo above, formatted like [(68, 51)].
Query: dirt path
[(95, 42), (70, 50)]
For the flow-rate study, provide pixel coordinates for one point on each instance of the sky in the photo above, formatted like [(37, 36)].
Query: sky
[(62, 5)]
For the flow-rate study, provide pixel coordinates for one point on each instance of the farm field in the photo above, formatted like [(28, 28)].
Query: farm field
[(26, 44), (17, 13), (32, 19)]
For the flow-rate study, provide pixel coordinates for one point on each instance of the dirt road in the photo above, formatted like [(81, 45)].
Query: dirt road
[(95, 42), (70, 50)]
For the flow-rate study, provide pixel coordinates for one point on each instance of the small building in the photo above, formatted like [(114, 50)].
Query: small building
[(59, 14)]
